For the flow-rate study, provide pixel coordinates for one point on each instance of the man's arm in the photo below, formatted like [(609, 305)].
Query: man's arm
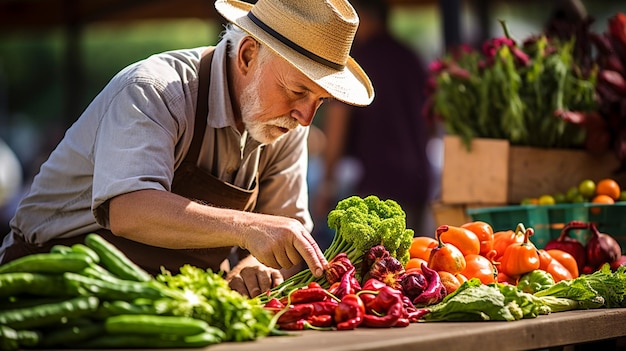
[(163, 219)]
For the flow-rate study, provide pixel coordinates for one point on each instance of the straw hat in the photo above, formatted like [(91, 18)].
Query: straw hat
[(315, 36)]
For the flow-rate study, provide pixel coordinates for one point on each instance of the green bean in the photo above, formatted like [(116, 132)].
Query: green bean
[(49, 262)]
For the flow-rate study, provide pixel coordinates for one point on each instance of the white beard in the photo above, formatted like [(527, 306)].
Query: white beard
[(264, 132)]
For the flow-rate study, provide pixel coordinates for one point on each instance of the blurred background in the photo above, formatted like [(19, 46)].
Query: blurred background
[(56, 55)]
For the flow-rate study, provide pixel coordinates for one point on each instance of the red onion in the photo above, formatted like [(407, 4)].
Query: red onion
[(621, 261), (570, 245), (601, 248)]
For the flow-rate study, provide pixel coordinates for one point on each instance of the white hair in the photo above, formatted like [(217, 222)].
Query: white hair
[(233, 35)]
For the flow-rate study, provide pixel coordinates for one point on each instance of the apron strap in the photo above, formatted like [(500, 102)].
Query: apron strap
[(202, 105)]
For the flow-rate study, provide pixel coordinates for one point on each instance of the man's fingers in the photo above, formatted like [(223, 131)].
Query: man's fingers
[(318, 250), (276, 278), (315, 261), (237, 284)]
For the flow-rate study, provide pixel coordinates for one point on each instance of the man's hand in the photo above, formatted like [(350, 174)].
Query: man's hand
[(251, 278), (281, 242)]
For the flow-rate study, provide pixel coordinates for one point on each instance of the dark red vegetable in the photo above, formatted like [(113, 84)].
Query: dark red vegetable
[(385, 309), (274, 304), (349, 312), (570, 245), (338, 266), (324, 307), (294, 313), (601, 248), (413, 284), (388, 270), (621, 261), (347, 285), (322, 320), (434, 292), (305, 295)]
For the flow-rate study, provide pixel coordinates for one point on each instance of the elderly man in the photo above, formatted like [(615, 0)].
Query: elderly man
[(191, 154)]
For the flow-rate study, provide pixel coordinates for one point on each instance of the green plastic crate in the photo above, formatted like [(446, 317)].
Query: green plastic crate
[(548, 221)]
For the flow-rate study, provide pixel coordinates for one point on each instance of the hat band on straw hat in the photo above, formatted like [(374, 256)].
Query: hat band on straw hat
[(293, 45)]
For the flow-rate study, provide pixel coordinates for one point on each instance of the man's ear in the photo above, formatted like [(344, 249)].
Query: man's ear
[(248, 51)]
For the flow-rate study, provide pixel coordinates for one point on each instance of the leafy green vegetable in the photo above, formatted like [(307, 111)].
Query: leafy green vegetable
[(534, 281), (602, 284), (205, 295), (474, 301)]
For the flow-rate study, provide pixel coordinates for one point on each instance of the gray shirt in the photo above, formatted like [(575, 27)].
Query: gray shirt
[(137, 131)]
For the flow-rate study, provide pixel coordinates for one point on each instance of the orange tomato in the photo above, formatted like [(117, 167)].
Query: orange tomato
[(608, 187), (421, 247), (446, 257), (484, 232), (566, 259), (463, 239), (602, 199), (449, 281), (478, 266), (415, 263)]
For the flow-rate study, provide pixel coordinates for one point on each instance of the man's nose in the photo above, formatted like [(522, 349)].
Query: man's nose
[(304, 112)]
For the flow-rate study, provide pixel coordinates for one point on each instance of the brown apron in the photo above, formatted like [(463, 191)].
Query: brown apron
[(189, 181)]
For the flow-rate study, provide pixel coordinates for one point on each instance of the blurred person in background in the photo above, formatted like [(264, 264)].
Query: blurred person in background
[(10, 184), (189, 155), (384, 144)]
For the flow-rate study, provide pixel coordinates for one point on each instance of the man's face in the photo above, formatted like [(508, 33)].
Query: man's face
[(277, 99)]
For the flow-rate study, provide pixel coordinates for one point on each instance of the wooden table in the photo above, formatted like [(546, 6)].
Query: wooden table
[(543, 332)]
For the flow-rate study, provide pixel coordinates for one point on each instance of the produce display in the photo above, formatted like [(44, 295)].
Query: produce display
[(93, 296), (605, 191), (379, 276)]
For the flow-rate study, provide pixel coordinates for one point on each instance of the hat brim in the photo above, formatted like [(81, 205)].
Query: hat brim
[(350, 85)]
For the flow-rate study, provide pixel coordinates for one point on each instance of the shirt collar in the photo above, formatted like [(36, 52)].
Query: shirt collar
[(220, 107)]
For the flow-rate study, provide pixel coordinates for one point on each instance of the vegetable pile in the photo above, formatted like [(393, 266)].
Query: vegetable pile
[(386, 299), (92, 296), (360, 224)]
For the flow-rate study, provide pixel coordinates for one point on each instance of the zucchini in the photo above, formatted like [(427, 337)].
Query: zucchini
[(38, 284), (114, 260), (48, 314), (49, 262), (121, 290), (154, 324)]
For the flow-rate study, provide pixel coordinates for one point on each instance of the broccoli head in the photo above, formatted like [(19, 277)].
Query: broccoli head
[(366, 222)]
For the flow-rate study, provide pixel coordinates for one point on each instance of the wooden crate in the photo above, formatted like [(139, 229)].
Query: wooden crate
[(453, 214), (495, 172)]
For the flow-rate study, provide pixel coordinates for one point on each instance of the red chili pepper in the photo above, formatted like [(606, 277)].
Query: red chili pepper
[(435, 290), (323, 320), (305, 295), (296, 325), (402, 322), (347, 285), (324, 307), (389, 303), (314, 285), (349, 312), (417, 314), (274, 303), (373, 284), (295, 312)]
